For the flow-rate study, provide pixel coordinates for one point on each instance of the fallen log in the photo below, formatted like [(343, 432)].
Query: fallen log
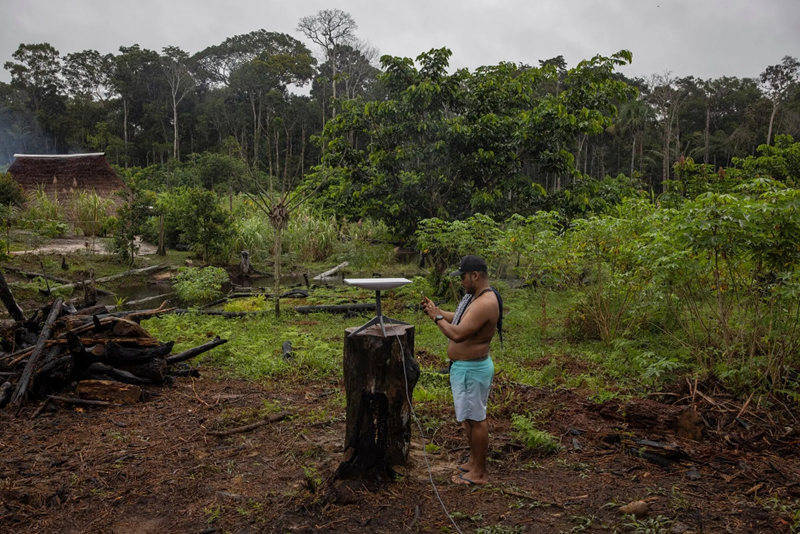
[(109, 390), (247, 428), (22, 386), (28, 274), (154, 369), (9, 301), (156, 298), (337, 308), (138, 315), (286, 349), (81, 402), (191, 353), (98, 309), (116, 354), (218, 313), (132, 272), (331, 272), (101, 369)]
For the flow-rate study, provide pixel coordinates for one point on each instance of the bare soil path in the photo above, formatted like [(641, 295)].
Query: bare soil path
[(69, 245), (154, 467)]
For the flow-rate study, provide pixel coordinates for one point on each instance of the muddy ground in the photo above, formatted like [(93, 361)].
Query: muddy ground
[(154, 467)]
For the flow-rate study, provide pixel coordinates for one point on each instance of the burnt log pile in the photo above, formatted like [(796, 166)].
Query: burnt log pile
[(103, 358)]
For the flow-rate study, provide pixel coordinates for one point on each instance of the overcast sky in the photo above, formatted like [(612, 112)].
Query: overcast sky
[(705, 38)]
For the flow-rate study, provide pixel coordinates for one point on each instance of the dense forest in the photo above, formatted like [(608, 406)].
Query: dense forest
[(643, 234), (265, 97)]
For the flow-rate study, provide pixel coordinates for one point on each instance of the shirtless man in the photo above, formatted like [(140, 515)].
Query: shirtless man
[(470, 329)]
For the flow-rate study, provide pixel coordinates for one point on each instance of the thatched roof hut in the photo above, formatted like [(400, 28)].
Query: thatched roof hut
[(65, 173)]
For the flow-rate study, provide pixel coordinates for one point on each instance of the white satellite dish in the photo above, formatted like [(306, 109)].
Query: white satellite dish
[(377, 285)]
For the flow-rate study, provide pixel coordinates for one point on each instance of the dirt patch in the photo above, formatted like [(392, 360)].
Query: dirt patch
[(154, 467), (81, 244)]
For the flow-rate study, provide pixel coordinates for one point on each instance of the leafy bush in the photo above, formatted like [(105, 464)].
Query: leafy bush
[(539, 441), (130, 222), (197, 285), (10, 191), (194, 220)]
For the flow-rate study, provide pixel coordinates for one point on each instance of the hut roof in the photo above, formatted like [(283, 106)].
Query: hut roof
[(62, 173)]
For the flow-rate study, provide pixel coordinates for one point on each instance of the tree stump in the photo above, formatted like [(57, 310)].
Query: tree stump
[(378, 428), (244, 264)]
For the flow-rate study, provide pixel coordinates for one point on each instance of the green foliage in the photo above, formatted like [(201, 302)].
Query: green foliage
[(44, 215), (251, 304), (130, 223), (10, 191), (535, 440), (196, 285), (195, 220), (90, 213), (446, 145)]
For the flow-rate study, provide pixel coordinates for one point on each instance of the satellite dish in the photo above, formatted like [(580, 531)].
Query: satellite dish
[(377, 285)]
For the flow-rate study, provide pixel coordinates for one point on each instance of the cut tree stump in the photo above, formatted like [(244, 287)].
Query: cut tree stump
[(378, 428), (109, 390)]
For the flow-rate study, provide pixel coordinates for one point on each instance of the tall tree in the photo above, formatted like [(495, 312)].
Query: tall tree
[(666, 96), (329, 29), (175, 65), (135, 70), (776, 81)]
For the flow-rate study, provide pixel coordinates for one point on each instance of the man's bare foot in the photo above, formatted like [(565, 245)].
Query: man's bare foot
[(469, 479), (466, 467)]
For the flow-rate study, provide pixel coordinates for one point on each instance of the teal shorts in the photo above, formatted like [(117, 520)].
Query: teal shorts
[(470, 381)]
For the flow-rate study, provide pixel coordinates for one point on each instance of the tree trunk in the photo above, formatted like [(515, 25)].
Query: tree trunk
[(333, 85), (174, 127), (665, 159), (277, 269), (772, 120), (378, 428), (162, 247), (708, 128), (244, 264), (633, 154), (125, 128)]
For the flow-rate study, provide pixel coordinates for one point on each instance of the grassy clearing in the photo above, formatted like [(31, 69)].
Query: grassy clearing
[(537, 348)]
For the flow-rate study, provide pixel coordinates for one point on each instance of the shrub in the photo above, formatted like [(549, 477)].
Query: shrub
[(194, 220), (197, 285), (10, 191), (130, 222), (534, 439)]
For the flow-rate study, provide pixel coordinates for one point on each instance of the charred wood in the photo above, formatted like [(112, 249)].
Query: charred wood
[(9, 301), (109, 390), (132, 272), (191, 353), (99, 369), (22, 386)]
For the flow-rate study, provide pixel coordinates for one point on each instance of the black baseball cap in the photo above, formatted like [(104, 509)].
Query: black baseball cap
[(470, 263)]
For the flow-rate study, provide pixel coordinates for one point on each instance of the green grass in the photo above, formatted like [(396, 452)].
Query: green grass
[(539, 347), (531, 354)]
